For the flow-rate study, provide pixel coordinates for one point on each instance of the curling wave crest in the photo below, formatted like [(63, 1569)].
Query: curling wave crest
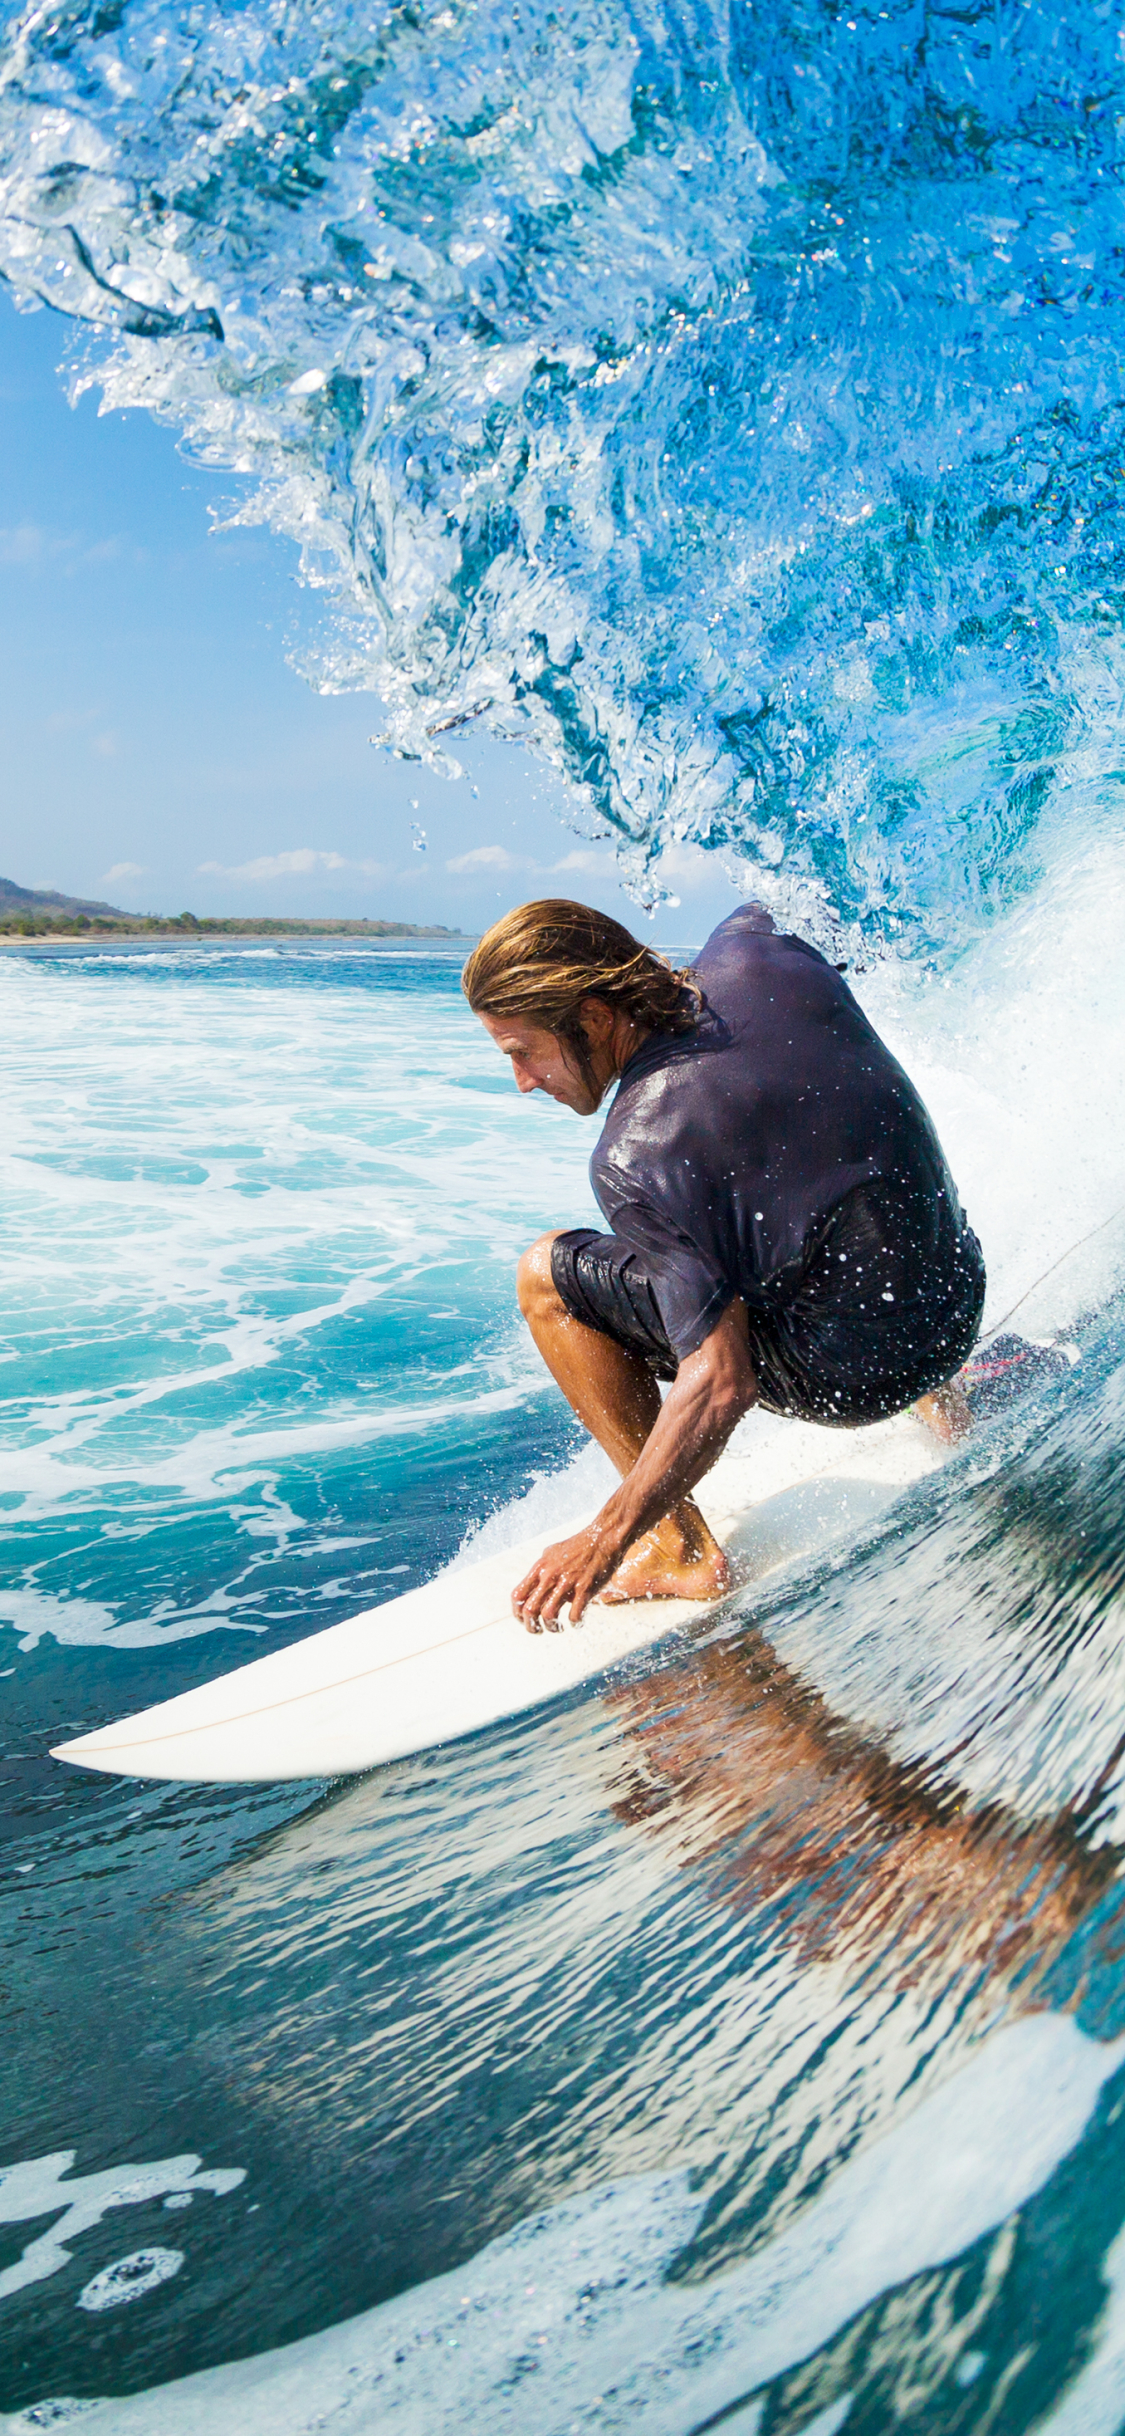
[(727, 401)]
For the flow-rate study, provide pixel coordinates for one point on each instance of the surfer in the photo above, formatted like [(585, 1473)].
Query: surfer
[(784, 1230)]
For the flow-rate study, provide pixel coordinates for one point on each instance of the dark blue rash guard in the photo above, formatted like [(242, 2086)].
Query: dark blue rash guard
[(778, 1152)]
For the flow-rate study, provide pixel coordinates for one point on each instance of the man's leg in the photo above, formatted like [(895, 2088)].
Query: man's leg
[(616, 1398)]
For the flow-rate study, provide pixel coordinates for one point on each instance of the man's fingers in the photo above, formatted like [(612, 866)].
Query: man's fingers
[(542, 1605), (529, 1595), (569, 1574), (538, 1602)]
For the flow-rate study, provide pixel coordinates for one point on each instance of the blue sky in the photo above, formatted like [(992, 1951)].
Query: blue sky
[(158, 749)]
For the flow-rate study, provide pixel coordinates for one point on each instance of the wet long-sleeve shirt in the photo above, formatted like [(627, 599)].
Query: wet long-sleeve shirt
[(726, 1151)]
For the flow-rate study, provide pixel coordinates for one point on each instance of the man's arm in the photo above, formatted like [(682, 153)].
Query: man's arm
[(712, 1390)]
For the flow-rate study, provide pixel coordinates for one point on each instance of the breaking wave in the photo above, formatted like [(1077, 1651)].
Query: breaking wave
[(725, 400)]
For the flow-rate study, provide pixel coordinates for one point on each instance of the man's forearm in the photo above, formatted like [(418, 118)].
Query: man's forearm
[(697, 1417)]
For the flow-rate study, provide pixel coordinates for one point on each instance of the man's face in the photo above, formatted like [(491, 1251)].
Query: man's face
[(541, 1062)]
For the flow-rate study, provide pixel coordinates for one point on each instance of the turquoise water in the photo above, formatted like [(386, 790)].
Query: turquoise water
[(730, 407), (786, 1966)]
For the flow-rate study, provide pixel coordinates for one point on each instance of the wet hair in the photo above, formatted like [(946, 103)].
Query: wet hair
[(538, 963)]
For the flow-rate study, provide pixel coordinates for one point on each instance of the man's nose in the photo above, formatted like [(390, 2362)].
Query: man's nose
[(524, 1080)]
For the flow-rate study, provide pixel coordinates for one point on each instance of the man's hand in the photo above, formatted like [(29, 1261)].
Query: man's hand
[(712, 1389), (570, 1573)]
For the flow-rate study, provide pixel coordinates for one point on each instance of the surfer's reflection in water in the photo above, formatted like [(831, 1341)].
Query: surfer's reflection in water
[(859, 1858)]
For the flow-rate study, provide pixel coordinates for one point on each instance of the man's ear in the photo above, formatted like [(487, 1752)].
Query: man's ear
[(597, 1019)]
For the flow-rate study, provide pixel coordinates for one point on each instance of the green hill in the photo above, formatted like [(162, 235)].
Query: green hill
[(40, 913)]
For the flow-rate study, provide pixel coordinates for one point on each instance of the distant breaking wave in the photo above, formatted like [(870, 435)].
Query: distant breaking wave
[(728, 402)]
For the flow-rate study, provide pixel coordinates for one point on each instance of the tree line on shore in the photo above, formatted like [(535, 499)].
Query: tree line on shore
[(24, 923)]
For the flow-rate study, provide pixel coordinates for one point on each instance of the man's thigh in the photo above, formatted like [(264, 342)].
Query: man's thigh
[(605, 1286)]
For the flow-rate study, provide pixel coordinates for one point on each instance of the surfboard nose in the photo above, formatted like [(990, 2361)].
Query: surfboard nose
[(89, 1751)]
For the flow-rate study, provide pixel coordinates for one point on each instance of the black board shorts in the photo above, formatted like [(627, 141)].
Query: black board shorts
[(885, 1308)]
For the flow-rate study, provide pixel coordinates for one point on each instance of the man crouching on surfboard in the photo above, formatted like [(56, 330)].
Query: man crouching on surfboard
[(784, 1230)]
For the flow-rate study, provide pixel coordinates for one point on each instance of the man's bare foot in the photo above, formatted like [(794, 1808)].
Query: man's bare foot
[(679, 1559), (946, 1413)]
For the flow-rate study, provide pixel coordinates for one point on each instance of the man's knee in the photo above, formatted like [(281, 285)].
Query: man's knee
[(536, 1290)]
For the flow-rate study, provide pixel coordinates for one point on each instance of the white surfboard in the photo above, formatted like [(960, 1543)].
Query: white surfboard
[(450, 1657)]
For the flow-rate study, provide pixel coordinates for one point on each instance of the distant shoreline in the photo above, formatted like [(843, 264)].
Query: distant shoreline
[(129, 941), (39, 930)]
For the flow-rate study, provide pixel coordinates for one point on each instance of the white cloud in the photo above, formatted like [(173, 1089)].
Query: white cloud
[(594, 866), (297, 864), (24, 545), (123, 871), (488, 858), (38, 545), (103, 553), (686, 866)]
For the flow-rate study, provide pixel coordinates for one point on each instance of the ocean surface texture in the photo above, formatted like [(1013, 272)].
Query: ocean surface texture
[(729, 403)]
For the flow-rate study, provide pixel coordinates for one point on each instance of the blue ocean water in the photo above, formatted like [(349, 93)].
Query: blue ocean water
[(730, 406)]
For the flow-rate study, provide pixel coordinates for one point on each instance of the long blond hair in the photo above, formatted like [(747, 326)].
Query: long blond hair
[(538, 963)]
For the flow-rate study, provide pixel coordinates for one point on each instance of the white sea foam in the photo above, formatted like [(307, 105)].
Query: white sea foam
[(36, 2187), (225, 1463), (570, 2320), (76, 1623), (128, 2279)]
